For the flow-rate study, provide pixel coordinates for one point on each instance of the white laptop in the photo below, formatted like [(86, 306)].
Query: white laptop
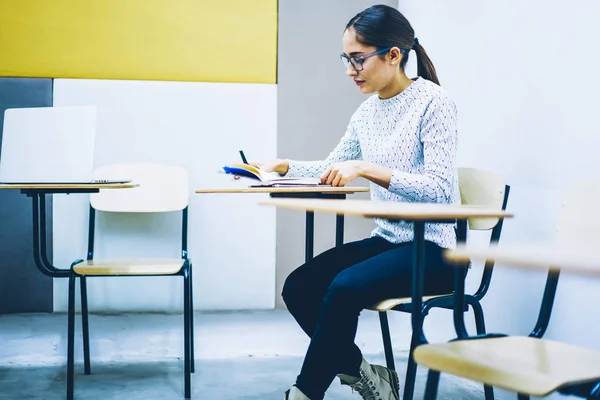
[(49, 145)]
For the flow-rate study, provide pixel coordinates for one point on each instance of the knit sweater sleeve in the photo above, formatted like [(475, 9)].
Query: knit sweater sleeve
[(347, 149), (439, 136)]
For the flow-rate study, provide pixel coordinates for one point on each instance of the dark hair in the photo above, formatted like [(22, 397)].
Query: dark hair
[(383, 26)]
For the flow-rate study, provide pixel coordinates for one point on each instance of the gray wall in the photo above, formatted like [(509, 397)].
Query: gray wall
[(22, 287), (315, 102)]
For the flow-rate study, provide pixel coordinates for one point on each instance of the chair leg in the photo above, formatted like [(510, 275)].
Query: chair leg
[(85, 326), (387, 340), (479, 318), (192, 354), (186, 333), (522, 396), (71, 338), (480, 324), (433, 381), (411, 374), (488, 392)]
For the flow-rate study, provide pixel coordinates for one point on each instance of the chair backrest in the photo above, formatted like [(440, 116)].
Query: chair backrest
[(163, 188), (481, 188), (486, 189)]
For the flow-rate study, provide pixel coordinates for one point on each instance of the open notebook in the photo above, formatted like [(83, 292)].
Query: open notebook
[(268, 178)]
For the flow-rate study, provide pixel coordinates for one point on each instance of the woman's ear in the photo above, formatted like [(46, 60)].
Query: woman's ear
[(395, 55)]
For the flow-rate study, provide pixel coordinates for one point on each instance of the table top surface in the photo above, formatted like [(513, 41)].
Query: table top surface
[(533, 256), (291, 189), (389, 209), (62, 186)]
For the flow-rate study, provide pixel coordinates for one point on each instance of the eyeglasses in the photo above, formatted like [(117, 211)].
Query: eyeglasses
[(357, 62)]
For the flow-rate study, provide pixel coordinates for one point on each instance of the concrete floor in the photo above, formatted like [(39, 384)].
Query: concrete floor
[(239, 355)]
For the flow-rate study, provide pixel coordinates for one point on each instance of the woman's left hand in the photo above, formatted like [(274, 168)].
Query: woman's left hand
[(339, 174)]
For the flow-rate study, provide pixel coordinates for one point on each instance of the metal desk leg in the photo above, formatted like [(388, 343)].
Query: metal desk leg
[(310, 236), (43, 232), (418, 337), (339, 230), (460, 274), (39, 238)]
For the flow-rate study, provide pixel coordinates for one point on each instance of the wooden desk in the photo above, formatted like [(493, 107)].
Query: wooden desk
[(324, 190), (582, 261), (391, 210), (418, 215), (307, 192), (38, 195)]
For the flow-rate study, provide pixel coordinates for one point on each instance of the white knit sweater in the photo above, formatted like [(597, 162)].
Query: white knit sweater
[(414, 133)]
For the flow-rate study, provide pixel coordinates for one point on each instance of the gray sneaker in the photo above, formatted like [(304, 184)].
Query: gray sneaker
[(295, 394), (375, 382)]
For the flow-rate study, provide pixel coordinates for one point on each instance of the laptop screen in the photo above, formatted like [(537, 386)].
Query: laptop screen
[(48, 145)]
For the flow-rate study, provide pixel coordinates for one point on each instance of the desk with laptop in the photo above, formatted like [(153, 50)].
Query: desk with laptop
[(36, 157)]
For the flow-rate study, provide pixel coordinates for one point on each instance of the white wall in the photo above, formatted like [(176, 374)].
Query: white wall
[(199, 126), (524, 76)]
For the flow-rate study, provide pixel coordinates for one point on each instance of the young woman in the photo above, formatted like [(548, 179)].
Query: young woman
[(404, 140)]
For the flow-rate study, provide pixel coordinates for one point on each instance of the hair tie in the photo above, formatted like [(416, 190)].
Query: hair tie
[(415, 44)]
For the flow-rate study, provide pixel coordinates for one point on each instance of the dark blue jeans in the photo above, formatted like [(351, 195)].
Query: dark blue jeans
[(327, 294)]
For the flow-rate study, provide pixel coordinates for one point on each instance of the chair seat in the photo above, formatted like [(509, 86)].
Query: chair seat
[(387, 305), (535, 367), (159, 266)]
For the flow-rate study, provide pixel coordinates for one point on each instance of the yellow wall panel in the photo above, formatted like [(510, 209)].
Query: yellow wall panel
[(187, 40)]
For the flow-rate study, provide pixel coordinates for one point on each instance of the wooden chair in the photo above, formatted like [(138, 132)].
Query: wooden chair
[(530, 365), (477, 187), (162, 189)]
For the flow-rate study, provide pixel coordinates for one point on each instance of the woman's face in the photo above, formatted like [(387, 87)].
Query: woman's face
[(376, 73)]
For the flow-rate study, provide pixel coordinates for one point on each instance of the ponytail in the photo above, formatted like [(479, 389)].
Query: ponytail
[(425, 68)]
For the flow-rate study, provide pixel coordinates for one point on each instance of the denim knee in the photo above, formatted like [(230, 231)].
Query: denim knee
[(341, 293), (292, 290)]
